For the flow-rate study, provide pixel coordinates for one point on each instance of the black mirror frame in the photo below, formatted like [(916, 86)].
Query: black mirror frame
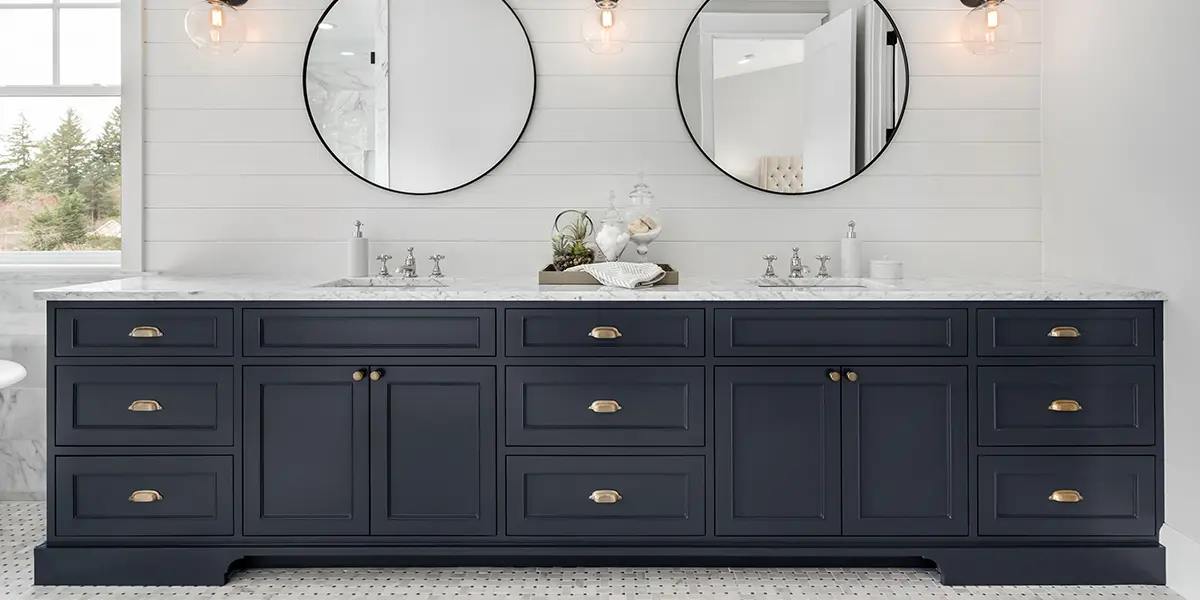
[(886, 145), (312, 121)]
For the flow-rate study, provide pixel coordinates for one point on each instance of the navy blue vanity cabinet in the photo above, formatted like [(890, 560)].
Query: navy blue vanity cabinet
[(905, 452), (778, 451), (1007, 443), (433, 451), (306, 451)]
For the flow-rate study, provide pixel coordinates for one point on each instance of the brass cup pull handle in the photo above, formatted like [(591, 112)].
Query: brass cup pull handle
[(145, 406), (852, 376), (605, 333), (605, 497), (1065, 406), (1064, 332), (376, 375), (835, 376), (145, 496), (359, 375), (1066, 496), (605, 406), (146, 331)]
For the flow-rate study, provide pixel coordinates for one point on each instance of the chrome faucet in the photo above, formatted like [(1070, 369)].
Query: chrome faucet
[(409, 270), (770, 258), (437, 265), (383, 268), (799, 269), (824, 272)]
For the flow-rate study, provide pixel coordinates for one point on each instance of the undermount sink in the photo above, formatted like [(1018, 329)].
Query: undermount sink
[(383, 282), (814, 283)]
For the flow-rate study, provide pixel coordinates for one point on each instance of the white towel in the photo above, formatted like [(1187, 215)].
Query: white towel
[(623, 275)]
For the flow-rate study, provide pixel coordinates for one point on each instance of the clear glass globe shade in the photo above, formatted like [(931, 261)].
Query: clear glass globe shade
[(606, 28), (215, 27), (992, 28)]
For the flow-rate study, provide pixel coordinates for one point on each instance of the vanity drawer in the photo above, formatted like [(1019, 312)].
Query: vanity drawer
[(370, 332), (1067, 495), (1066, 332), (1066, 406), (606, 495), (835, 332), (144, 332), (605, 406), (144, 406), (605, 332), (143, 496)]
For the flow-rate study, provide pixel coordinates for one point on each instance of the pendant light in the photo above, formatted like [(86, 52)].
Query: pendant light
[(606, 28), (215, 26), (993, 27)]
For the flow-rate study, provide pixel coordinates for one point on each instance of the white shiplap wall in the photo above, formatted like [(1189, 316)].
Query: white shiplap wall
[(237, 182)]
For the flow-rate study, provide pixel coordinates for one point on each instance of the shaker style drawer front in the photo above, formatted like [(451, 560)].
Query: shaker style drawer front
[(826, 332), (144, 496), (606, 496), (605, 406), (1066, 332), (143, 332), (369, 332), (144, 406), (605, 332), (1067, 495), (1066, 406)]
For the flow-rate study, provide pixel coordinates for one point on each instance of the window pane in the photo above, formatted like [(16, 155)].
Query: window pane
[(26, 41), (90, 42), (60, 174)]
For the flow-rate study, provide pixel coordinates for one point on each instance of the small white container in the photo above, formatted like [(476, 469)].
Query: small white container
[(887, 269), (852, 266), (357, 253)]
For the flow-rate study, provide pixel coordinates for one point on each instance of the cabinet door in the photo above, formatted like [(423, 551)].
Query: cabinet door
[(905, 451), (433, 451), (777, 444), (306, 449)]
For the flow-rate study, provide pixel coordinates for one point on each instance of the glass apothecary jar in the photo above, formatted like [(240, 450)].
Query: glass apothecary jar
[(643, 218)]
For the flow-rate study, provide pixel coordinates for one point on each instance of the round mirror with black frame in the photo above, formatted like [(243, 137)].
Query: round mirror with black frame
[(792, 97), (419, 97)]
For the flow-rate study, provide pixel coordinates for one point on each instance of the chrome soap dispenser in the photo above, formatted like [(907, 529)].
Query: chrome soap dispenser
[(357, 253), (852, 266)]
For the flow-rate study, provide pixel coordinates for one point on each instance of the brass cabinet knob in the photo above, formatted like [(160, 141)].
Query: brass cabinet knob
[(145, 496), (605, 333), (1066, 496), (835, 376), (145, 406), (376, 375), (605, 406), (359, 375), (146, 331), (1065, 406), (852, 376), (1064, 332), (605, 497)]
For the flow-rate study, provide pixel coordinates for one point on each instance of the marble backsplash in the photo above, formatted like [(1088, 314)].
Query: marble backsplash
[(23, 406)]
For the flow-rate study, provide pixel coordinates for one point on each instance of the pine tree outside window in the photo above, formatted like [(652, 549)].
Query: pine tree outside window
[(60, 131)]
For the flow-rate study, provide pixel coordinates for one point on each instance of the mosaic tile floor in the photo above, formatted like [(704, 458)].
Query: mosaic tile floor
[(21, 525)]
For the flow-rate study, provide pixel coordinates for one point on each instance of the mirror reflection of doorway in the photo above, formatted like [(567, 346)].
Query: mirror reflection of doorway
[(791, 96)]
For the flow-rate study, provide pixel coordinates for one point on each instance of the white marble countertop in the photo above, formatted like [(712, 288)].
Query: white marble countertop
[(254, 289)]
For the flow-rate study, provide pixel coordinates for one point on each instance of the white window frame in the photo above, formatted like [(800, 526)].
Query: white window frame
[(130, 92)]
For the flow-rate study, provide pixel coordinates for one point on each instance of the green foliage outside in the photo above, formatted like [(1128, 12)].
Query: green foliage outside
[(54, 192)]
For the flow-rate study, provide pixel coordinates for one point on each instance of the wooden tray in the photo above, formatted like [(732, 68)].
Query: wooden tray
[(549, 276)]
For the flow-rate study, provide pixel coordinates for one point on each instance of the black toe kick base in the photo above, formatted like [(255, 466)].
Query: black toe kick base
[(957, 566)]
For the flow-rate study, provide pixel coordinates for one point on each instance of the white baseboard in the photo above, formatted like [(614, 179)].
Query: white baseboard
[(1183, 563)]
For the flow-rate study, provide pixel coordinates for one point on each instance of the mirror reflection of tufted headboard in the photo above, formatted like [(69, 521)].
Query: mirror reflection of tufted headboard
[(781, 173)]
